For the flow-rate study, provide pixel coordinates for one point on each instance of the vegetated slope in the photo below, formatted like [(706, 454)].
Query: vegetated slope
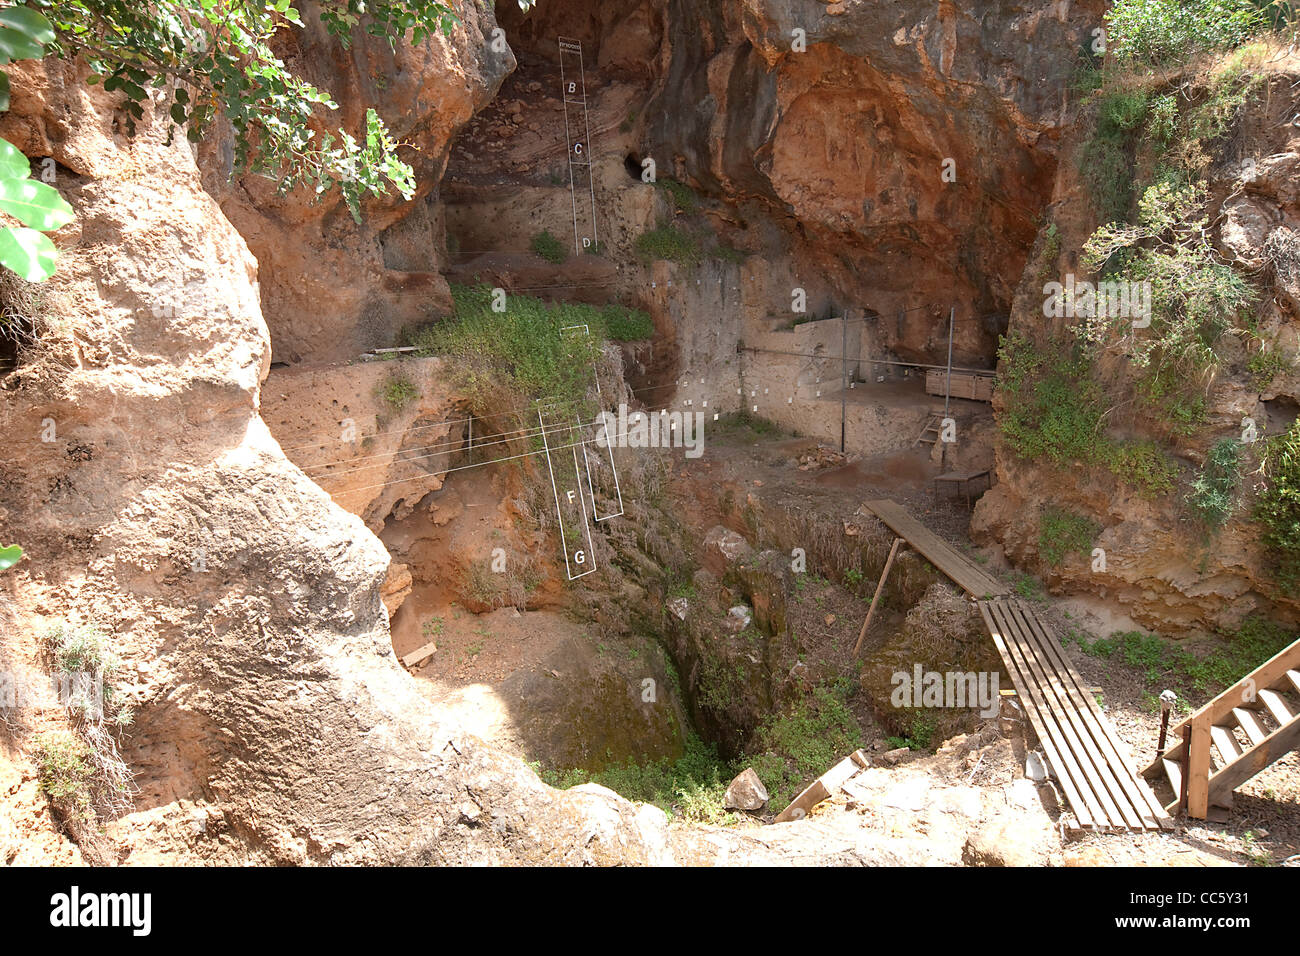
[(1167, 447)]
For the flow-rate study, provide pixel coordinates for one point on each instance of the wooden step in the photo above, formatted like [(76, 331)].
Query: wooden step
[(1294, 678), (1229, 749), (1250, 724), (1174, 771), (1276, 706)]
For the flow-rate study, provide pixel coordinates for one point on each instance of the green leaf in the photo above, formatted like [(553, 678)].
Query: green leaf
[(18, 46), (35, 204), (13, 164), (4, 91), (33, 24), (27, 252), (9, 556)]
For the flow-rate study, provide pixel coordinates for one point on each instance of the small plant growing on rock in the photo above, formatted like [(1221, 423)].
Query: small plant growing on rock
[(398, 391), (1062, 532), (549, 248)]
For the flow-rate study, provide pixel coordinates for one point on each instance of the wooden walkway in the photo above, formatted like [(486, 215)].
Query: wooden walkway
[(968, 575), (1090, 761), (1087, 756)]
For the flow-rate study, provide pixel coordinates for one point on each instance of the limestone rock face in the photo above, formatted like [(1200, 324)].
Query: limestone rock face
[(246, 606), (332, 287), (895, 134), (1160, 570)]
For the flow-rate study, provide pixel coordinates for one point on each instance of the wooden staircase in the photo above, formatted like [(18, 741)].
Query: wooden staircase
[(1233, 737), (930, 433)]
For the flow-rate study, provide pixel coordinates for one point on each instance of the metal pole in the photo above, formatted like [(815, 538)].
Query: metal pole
[(844, 373)]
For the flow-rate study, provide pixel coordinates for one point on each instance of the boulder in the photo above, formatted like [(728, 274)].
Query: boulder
[(723, 548), (746, 792)]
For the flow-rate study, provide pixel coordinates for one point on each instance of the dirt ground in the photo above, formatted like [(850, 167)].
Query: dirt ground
[(1264, 826)]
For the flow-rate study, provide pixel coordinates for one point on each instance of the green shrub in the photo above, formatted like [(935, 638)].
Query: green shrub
[(1266, 365), (691, 786), (680, 195), (1106, 156), (1278, 505), (1062, 532), (397, 390), (801, 744), (669, 242), (621, 324), (1162, 31), (1214, 489), (549, 248), (65, 768)]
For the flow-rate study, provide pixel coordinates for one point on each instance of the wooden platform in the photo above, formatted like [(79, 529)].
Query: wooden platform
[(1088, 758), (967, 575)]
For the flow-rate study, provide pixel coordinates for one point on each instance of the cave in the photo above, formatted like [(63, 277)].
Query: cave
[(647, 472)]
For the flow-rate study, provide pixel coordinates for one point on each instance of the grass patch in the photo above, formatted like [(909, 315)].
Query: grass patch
[(397, 391), (1062, 532), (1277, 507), (690, 787), (1163, 663), (680, 195), (549, 248), (670, 243), (799, 745), (1054, 411)]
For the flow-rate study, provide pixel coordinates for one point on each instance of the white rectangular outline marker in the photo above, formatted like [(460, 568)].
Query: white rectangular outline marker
[(609, 445), (574, 47), (564, 543)]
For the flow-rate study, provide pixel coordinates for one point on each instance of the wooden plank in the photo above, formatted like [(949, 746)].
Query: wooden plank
[(866, 623), (1281, 742), (1198, 767), (1119, 812), (1082, 800), (1276, 706), (1091, 740), (1174, 771), (964, 572), (1250, 725), (1294, 678), (1229, 749), (1112, 748), (420, 655)]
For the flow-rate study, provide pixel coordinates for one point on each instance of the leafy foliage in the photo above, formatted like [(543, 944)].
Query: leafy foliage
[(1195, 297), (1162, 662), (525, 352), (671, 243), (1278, 506), (1062, 532), (549, 248), (1054, 413), (9, 556), (1163, 31), (692, 786), (25, 249), (798, 745), (1215, 488), (398, 391), (218, 59)]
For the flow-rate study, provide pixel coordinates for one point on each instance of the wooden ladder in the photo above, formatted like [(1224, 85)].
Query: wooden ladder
[(930, 433), (1235, 736)]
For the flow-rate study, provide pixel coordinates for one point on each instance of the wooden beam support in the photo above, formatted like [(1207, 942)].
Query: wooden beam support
[(889, 563)]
